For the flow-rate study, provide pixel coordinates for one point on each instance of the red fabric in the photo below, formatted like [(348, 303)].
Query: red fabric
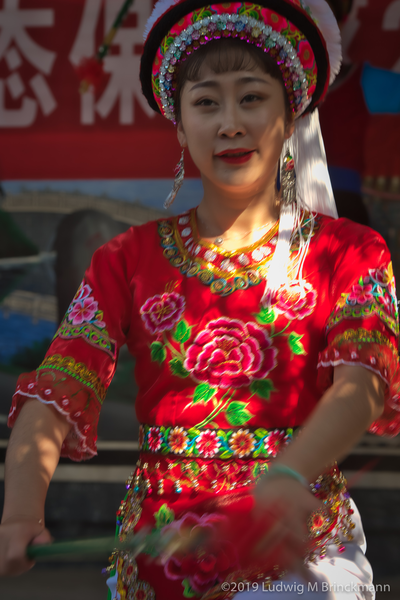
[(130, 277), (216, 370)]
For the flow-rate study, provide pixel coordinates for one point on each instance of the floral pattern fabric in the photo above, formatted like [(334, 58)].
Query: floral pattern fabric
[(210, 443), (223, 378), (374, 293)]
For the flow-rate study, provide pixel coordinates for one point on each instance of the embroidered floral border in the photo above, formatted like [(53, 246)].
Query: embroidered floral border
[(374, 294), (210, 443), (78, 371), (83, 319)]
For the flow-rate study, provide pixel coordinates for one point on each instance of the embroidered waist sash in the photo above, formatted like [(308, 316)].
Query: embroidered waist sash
[(179, 471), (225, 444)]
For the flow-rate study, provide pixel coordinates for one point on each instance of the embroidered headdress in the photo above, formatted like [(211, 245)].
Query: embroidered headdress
[(303, 37), (304, 41)]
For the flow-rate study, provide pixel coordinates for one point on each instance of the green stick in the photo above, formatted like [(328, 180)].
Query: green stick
[(106, 545)]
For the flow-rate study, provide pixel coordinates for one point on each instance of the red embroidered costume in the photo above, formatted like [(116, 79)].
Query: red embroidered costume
[(223, 382)]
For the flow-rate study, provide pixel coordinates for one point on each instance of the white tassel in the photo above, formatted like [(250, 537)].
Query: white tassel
[(277, 274), (314, 194), (313, 184)]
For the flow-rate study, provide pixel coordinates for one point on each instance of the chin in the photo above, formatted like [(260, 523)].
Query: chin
[(239, 182)]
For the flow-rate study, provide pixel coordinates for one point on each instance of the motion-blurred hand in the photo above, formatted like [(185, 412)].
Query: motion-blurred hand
[(287, 506), (15, 536)]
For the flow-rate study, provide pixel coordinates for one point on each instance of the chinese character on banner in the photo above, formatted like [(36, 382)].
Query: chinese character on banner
[(123, 67), (16, 44)]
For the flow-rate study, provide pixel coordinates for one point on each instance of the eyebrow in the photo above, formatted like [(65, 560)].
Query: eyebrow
[(214, 84)]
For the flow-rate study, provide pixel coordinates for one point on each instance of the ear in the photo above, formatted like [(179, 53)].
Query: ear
[(181, 135), (289, 126)]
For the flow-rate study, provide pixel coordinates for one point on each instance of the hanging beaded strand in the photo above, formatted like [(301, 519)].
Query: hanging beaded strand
[(288, 180), (179, 176)]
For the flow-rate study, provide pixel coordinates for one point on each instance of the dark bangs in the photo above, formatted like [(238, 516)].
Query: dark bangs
[(222, 56)]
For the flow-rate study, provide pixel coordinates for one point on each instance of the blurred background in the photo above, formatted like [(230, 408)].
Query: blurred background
[(77, 169)]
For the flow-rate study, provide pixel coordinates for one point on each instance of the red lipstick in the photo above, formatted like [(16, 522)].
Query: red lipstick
[(236, 156)]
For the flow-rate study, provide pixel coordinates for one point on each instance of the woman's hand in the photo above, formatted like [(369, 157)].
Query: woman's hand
[(15, 537), (287, 504)]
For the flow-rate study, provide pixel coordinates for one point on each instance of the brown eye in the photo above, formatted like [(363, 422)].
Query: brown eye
[(205, 102), (251, 98)]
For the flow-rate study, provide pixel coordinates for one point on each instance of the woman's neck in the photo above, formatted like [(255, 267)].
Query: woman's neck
[(234, 220)]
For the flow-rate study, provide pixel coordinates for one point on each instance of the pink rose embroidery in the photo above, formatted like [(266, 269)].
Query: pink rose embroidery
[(203, 567), (361, 294), (230, 353), (294, 301), (83, 292), (83, 311), (161, 313)]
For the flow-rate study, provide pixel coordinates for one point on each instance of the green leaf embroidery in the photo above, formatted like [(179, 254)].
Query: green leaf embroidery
[(182, 332), (192, 433), (164, 516), (158, 353), (262, 387), (226, 454), (266, 316), (260, 433), (203, 393), (222, 434), (177, 368), (188, 592), (237, 413), (295, 344)]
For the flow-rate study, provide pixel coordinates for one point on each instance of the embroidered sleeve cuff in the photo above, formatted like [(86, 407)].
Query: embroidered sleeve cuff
[(76, 402), (375, 352)]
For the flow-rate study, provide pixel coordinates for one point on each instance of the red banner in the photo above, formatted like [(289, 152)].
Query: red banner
[(48, 130)]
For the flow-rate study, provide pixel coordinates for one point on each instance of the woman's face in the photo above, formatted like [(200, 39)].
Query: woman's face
[(234, 125)]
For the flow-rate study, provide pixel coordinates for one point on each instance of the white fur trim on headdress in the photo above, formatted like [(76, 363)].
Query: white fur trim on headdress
[(324, 18), (160, 8)]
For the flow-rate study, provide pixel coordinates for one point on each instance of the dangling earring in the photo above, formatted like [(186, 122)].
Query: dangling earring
[(179, 175), (288, 180)]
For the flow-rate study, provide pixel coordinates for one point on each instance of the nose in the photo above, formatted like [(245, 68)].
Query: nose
[(231, 124)]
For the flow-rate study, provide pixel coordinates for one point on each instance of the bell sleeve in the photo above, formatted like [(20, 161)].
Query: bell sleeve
[(81, 360), (362, 327)]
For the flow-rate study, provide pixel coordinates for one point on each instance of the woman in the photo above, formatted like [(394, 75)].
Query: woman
[(229, 309)]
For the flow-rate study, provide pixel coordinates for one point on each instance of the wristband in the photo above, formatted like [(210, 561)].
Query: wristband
[(284, 470)]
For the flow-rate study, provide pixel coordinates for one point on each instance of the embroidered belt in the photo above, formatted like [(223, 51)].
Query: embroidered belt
[(167, 479), (224, 444)]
